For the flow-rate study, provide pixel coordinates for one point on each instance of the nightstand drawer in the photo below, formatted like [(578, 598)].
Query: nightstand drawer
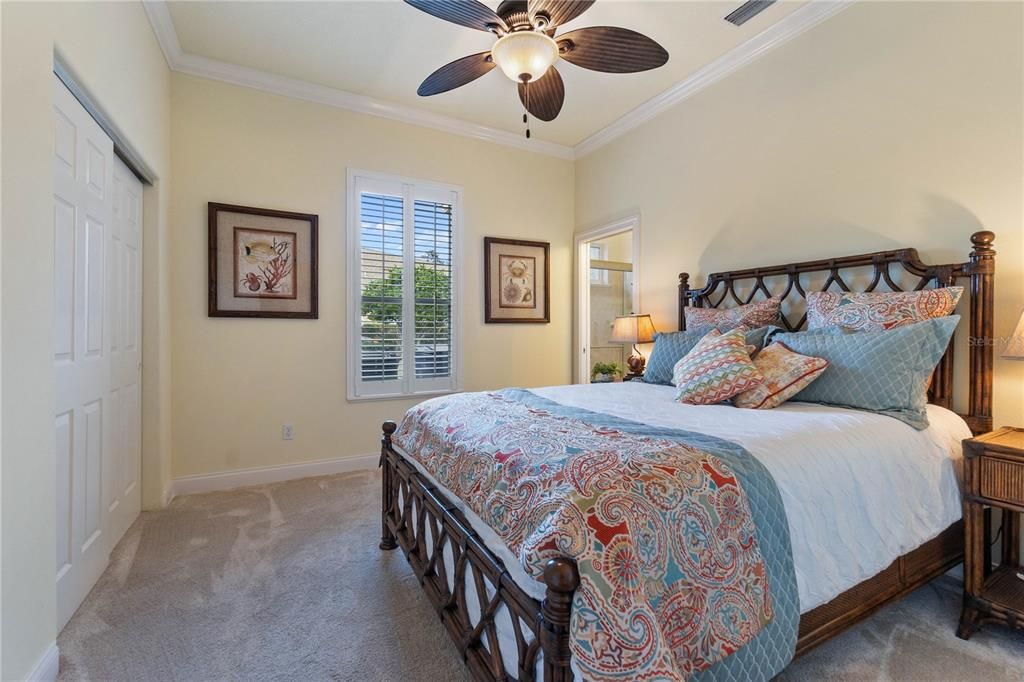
[(1002, 480)]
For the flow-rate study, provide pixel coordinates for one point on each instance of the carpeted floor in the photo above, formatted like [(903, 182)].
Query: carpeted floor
[(285, 582)]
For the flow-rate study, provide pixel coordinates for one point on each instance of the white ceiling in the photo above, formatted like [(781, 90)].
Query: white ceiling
[(384, 49)]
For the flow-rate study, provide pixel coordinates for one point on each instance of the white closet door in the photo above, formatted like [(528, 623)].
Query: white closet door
[(124, 281), (97, 258)]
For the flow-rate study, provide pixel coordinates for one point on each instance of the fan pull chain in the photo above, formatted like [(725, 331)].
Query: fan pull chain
[(526, 117)]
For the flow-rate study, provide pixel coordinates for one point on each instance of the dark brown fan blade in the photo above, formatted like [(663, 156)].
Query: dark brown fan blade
[(611, 49), (546, 95), (455, 74), (559, 11), (462, 12)]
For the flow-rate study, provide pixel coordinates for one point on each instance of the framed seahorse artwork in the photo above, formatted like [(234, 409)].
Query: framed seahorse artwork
[(516, 280), (263, 262)]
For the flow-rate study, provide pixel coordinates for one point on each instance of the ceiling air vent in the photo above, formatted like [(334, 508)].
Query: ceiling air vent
[(747, 11)]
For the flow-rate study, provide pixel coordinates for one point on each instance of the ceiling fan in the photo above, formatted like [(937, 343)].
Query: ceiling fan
[(527, 48)]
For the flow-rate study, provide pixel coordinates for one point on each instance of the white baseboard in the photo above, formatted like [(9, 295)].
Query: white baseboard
[(47, 667), (226, 480)]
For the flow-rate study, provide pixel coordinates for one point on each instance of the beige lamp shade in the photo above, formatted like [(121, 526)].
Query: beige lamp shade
[(1015, 348), (633, 329)]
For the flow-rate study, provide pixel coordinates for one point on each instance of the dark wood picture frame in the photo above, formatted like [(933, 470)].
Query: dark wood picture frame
[(213, 209), (490, 315)]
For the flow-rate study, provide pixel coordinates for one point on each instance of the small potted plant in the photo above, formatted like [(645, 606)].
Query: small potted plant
[(606, 372)]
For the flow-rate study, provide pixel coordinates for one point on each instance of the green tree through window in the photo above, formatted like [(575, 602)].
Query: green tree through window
[(382, 306)]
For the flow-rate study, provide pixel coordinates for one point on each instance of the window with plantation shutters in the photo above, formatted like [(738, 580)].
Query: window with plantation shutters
[(403, 312)]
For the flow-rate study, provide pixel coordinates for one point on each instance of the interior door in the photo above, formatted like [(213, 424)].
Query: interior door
[(124, 282), (97, 283)]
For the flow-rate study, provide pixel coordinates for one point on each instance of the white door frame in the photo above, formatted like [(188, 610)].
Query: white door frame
[(582, 350)]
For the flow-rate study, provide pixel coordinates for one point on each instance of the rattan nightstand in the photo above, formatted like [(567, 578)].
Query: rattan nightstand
[(993, 477)]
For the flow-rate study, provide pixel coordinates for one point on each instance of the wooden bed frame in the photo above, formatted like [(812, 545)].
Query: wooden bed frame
[(420, 519)]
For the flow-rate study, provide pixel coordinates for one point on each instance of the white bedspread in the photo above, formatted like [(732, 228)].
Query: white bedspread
[(859, 489)]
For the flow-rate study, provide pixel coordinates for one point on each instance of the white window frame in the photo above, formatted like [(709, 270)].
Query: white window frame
[(409, 189)]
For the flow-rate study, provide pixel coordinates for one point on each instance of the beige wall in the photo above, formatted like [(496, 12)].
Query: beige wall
[(237, 381), (889, 125), (112, 49)]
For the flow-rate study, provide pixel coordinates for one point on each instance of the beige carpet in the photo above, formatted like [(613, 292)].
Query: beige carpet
[(285, 582)]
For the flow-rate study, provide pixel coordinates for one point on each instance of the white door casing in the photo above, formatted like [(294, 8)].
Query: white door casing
[(582, 263), (97, 281)]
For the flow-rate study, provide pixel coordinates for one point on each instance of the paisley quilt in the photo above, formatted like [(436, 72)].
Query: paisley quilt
[(680, 539)]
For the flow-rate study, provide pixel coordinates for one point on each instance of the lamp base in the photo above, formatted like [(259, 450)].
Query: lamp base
[(636, 364)]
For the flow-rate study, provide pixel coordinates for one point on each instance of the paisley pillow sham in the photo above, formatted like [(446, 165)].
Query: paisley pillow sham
[(786, 373), (751, 316), (878, 311)]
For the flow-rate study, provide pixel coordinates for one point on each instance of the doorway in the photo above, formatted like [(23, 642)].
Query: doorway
[(607, 287)]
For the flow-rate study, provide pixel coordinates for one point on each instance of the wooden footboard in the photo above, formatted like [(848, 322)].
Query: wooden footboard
[(423, 522)]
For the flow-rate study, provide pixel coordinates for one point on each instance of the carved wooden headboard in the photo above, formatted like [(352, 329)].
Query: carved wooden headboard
[(867, 272)]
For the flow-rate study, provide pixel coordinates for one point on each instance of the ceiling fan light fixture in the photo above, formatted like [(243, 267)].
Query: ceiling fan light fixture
[(525, 55)]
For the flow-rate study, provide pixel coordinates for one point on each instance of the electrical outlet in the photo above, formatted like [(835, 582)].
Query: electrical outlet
[(287, 432)]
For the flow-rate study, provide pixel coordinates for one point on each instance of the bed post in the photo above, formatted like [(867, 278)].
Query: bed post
[(982, 271), (684, 286), (387, 538), (562, 579)]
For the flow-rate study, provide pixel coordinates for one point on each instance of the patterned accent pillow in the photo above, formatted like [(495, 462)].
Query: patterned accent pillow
[(881, 372), (785, 374), (716, 369), (668, 348), (751, 316), (878, 311)]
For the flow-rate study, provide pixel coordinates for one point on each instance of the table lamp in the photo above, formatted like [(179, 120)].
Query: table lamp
[(1015, 348), (633, 329)]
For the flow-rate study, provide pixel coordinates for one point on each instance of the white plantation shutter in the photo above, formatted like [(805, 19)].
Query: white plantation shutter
[(433, 271), (403, 322), (381, 274)]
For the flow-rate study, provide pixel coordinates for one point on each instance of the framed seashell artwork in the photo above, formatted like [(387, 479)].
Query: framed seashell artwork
[(516, 280)]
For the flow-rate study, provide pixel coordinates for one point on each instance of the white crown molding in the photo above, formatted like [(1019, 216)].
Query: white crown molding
[(47, 667), (195, 65), (787, 28), (790, 26), (163, 27), (226, 480)]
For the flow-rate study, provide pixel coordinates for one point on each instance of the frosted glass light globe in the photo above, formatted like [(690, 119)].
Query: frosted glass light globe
[(526, 53)]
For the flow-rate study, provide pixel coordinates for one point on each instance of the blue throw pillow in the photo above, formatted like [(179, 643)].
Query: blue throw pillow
[(670, 347), (774, 332), (883, 372)]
